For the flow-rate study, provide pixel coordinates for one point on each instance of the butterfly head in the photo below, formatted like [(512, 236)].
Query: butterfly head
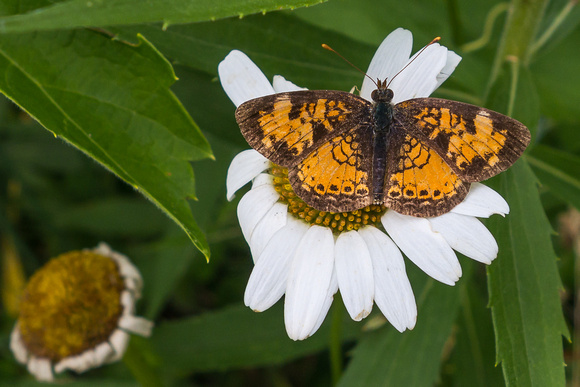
[(382, 93)]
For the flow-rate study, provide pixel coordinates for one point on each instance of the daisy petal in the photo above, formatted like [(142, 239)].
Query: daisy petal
[(135, 324), (467, 235), (40, 368), (281, 85), (268, 280), (88, 359), (241, 79), (393, 292), (452, 61), (354, 271), (419, 79), (128, 302), (243, 168), (482, 201), (134, 286), (390, 57), (433, 255), (262, 179), (253, 206), (327, 303), (104, 352), (273, 221), (17, 346), (127, 269), (308, 282), (80, 363), (119, 341)]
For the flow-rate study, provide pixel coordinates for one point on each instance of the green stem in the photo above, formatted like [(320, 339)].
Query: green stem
[(515, 70), (335, 341), (558, 20), (524, 17), (455, 22), (492, 16)]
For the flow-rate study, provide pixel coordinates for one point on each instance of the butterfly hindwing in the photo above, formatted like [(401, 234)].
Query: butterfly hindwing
[(287, 127), (337, 176), (418, 181), (477, 143)]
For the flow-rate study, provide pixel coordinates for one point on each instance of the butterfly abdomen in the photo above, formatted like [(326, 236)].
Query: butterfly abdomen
[(383, 117)]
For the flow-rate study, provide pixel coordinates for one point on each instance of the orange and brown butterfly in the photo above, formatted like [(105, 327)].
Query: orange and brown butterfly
[(417, 157)]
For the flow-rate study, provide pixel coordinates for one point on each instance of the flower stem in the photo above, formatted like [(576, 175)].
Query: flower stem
[(492, 16), (558, 20), (524, 17), (515, 73), (335, 342)]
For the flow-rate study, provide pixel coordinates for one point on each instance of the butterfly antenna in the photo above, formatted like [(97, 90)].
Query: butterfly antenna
[(415, 57), (327, 47)]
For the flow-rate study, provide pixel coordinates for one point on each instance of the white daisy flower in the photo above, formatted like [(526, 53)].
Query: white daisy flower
[(77, 312), (308, 255)]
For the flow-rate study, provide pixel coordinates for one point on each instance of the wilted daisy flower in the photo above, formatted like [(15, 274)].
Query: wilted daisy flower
[(77, 312), (307, 255)]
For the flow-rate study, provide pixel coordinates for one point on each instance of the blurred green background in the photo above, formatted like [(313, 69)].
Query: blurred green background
[(53, 198)]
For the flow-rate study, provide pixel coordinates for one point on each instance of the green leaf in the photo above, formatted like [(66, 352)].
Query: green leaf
[(139, 219), (472, 362), (526, 106), (558, 80), (558, 171), (386, 357), (523, 284), (162, 264), (236, 337), (142, 362), (102, 13), (265, 39), (113, 102)]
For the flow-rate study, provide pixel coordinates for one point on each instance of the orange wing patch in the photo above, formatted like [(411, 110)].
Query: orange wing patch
[(297, 132), (335, 177), (289, 127), (465, 146), (420, 182), (477, 143)]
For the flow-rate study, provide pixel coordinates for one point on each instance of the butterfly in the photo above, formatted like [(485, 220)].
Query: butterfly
[(417, 157)]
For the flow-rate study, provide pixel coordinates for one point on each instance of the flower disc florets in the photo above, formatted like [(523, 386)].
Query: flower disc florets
[(338, 222), (70, 305), (77, 312)]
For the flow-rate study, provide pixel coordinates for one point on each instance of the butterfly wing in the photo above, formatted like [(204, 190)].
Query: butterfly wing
[(323, 137), (337, 176), (475, 142), (287, 127), (418, 182)]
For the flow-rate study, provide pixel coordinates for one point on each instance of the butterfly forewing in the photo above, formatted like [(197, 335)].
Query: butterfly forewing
[(287, 127), (475, 142)]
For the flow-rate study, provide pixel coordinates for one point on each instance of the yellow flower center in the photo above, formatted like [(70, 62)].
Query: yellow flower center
[(70, 305), (337, 221)]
